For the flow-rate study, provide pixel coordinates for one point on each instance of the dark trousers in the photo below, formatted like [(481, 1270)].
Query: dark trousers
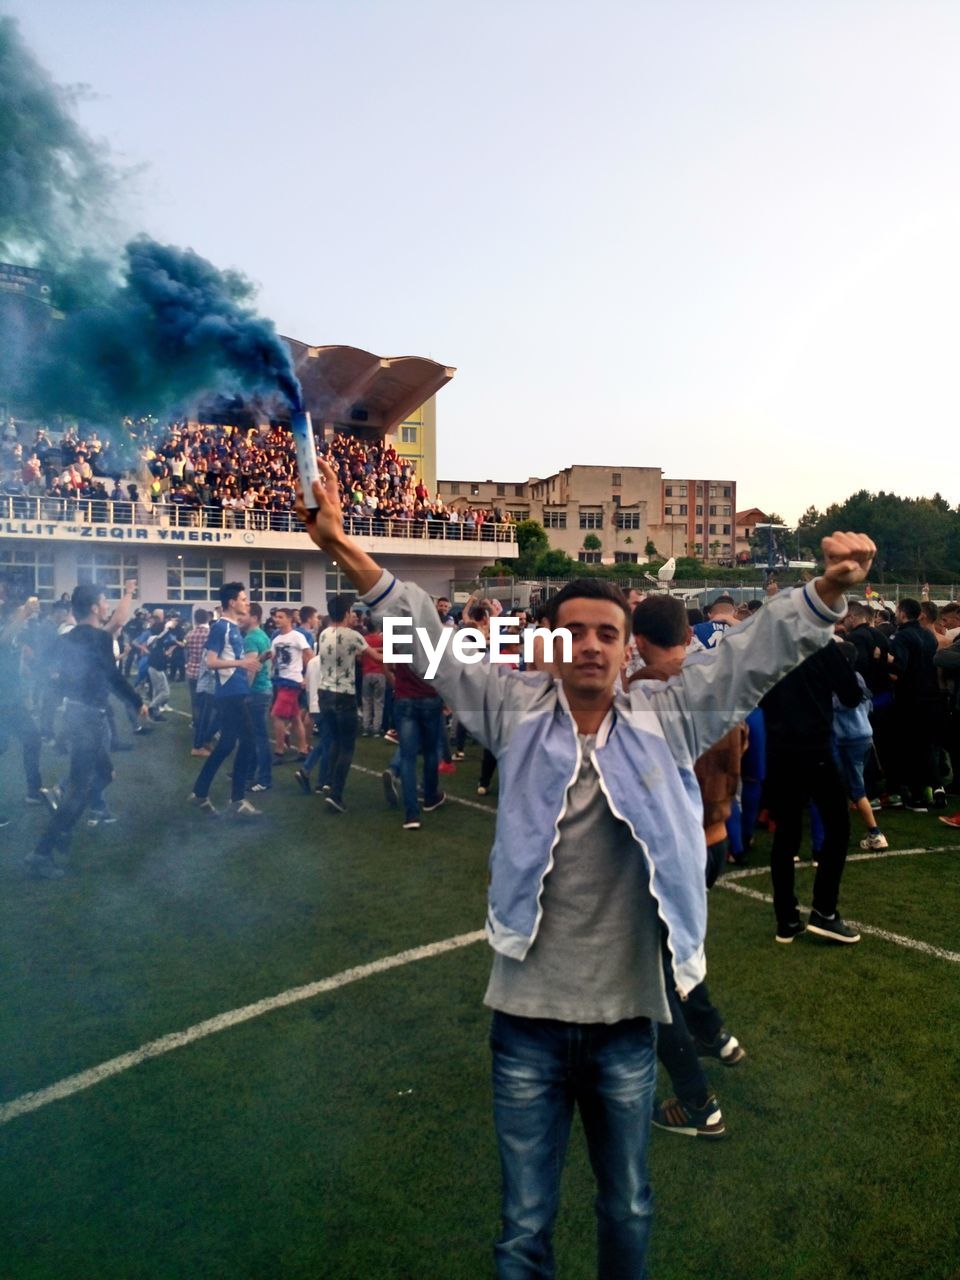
[(488, 767), (793, 780), (338, 730), (236, 730), (915, 723), (205, 719), (17, 722), (418, 721), (87, 735), (676, 1046), (261, 765)]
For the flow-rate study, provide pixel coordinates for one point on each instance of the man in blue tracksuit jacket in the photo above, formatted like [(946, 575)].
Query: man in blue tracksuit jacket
[(598, 853)]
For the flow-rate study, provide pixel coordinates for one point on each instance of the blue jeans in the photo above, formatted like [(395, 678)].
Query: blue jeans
[(541, 1068), (338, 736), (262, 765), (418, 729)]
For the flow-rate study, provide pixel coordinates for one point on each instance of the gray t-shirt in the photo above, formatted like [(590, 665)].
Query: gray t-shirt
[(596, 957)]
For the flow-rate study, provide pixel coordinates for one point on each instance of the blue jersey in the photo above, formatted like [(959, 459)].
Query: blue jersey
[(226, 641), (710, 633)]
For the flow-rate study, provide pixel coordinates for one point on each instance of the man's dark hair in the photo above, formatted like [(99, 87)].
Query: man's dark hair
[(443, 599), (229, 592), (754, 605), (338, 607), (857, 610), (910, 608), (929, 610), (307, 612), (200, 616), (662, 620), (694, 616), (477, 613), (724, 599), (588, 589), (256, 611), (84, 597)]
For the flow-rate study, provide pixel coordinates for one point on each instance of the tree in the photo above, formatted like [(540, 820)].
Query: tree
[(592, 543), (651, 548), (556, 564), (532, 542)]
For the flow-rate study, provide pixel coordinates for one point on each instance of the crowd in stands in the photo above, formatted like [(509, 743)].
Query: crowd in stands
[(227, 477)]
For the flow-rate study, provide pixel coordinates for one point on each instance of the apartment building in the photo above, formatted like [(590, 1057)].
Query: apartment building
[(602, 515)]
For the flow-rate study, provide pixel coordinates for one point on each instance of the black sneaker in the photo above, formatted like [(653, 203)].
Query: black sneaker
[(434, 804), (391, 792), (787, 932), (692, 1122), (939, 799), (724, 1047), (835, 929), (303, 781), (336, 805)]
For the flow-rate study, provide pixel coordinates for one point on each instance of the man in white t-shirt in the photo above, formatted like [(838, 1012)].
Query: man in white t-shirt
[(291, 653), (332, 688)]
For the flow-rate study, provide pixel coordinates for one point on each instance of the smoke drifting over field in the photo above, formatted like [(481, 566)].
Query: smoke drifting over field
[(148, 328)]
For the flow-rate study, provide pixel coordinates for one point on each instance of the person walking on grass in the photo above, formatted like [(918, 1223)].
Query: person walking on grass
[(87, 675), (234, 671), (598, 854), (291, 653), (333, 675)]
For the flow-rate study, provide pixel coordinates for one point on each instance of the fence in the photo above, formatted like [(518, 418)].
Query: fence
[(103, 511)]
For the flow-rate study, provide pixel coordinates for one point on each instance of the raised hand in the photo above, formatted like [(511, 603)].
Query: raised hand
[(324, 523), (847, 557)]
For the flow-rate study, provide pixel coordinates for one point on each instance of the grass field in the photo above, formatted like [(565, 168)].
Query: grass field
[(347, 1136)]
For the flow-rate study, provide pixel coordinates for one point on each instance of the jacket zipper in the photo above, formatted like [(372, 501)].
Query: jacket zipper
[(556, 836)]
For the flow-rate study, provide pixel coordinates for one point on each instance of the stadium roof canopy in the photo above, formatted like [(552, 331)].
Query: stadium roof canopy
[(347, 386)]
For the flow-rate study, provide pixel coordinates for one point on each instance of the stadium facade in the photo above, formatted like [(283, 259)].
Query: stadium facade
[(50, 544)]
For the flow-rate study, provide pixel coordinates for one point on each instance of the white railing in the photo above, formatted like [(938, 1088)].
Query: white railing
[(170, 515)]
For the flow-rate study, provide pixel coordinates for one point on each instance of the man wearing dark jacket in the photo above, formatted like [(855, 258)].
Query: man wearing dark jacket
[(800, 768), (916, 706), (88, 674)]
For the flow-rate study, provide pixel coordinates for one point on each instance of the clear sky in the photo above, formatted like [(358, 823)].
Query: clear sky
[(718, 237)]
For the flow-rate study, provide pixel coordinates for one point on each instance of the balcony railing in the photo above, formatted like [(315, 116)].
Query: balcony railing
[(170, 515)]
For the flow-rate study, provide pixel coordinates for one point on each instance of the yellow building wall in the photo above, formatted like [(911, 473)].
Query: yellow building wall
[(422, 450)]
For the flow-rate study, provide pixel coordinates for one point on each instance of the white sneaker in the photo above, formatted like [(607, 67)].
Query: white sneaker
[(204, 804), (244, 809), (876, 841)]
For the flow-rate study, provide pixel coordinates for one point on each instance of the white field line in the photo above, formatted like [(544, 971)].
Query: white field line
[(745, 873), (913, 944), (176, 1040), (469, 804)]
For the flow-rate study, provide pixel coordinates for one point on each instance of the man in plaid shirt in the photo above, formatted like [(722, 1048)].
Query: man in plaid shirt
[(195, 644)]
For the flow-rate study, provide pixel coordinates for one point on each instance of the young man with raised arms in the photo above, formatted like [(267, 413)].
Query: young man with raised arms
[(599, 848)]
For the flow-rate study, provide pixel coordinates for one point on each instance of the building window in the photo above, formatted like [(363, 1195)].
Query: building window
[(727, 491), (668, 511), (194, 577), (713, 528), (699, 548), (699, 490), (683, 508), (518, 490), (276, 581), (625, 557), (591, 519), (713, 510), (588, 557), (726, 529), (699, 528), (699, 511), (681, 491), (554, 519), (501, 490), (628, 519), (474, 491), (668, 491), (335, 582), (455, 489), (107, 569), (408, 435), (617, 479), (726, 511), (31, 571), (518, 513)]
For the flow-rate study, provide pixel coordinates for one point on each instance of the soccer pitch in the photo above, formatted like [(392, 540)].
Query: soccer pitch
[(344, 1132)]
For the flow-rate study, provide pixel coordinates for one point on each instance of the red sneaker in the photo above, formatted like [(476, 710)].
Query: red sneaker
[(445, 766), (952, 821)]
